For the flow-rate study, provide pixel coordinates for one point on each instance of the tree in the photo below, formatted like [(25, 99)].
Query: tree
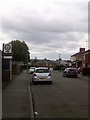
[(20, 51)]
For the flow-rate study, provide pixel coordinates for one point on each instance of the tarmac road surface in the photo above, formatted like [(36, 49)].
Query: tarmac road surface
[(65, 98)]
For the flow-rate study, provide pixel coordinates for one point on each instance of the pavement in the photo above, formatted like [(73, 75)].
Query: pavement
[(16, 98), (83, 77)]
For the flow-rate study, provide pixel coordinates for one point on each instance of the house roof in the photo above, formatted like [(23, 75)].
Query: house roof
[(87, 51), (80, 53), (77, 54)]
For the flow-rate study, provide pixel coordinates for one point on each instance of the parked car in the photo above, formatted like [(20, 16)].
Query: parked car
[(41, 74), (70, 72), (32, 69)]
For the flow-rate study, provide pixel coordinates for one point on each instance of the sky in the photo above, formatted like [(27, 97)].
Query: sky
[(50, 28)]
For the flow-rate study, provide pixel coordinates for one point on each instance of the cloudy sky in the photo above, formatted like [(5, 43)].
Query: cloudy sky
[(49, 27)]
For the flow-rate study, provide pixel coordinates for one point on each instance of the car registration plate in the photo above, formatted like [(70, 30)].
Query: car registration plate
[(42, 78)]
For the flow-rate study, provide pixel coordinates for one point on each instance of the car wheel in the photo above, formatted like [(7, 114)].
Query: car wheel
[(63, 75), (76, 76), (33, 82), (50, 82)]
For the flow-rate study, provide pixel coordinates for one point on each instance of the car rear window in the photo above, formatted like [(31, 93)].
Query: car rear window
[(32, 68), (73, 70), (42, 71)]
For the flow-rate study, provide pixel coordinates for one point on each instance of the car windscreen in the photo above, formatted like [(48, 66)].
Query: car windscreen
[(42, 71)]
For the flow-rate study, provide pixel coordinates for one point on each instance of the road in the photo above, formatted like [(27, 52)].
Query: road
[(65, 98)]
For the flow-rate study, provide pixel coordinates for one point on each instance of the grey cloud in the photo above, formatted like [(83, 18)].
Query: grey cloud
[(38, 31), (33, 25), (70, 19), (62, 31)]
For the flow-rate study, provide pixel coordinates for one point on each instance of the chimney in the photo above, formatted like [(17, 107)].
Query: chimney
[(82, 50)]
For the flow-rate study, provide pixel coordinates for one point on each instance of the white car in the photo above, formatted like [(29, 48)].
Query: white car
[(31, 70), (41, 74)]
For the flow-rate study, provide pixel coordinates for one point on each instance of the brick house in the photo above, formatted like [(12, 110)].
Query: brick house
[(87, 58), (45, 63), (78, 59), (81, 59)]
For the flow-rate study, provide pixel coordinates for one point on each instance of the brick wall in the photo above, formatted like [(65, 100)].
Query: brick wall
[(87, 59)]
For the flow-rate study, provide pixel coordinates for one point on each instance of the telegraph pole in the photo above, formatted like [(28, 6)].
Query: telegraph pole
[(86, 44), (59, 58)]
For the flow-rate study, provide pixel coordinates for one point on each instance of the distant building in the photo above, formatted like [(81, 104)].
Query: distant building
[(45, 63), (64, 62), (50, 63)]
